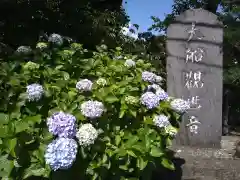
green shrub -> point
(67, 113)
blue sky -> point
(140, 11)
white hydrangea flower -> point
(24, 49)
(35, 92)
(41, 45)
(180, 105)
(161, 121)
(158, 79)
(129, 63)
(92, 109)
(84, 85)
(87, 135)
(171, 131)
(101, 82)
(132, 100)
(55, 39)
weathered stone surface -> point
(207, 90)
(193, 163)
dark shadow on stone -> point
(166, 174)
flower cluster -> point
(31, 66)
(24, 49)
(180, 105)
(151, 77)
(55, 39)
(62, 125)
(161, 121)
(150, 100)
(61, 153)
(130, 63)
(41, 45)
(92, 109)
(101, 82)
(34, 92)
(87, 135)
(131, 100)
(84, 85)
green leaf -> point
(131, 153)
(141, 163)
(35, 170)
(66, 76)
(139, 147)
(21, 126)
(4, 118)
(3, 131)
(117, 140)
(33, 119)
(11, 144)
(156, 152)
(111, 99)
(6, 166)
(131, 141)
(167, 164)
(122, 112)
(133, 113)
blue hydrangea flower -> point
(150, 100)
(34, 92)
(161, 121)
(87, 135)
(92, 109)
(162, 95)
(180, 105)
(129, 63)
(62, 124)
(148, 76)
(55, 39)
(84, 85)
(61, 153)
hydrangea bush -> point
(67, 113)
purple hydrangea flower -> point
(62, 125)
(162, 95)
(84, 85)
(150, 100)
(161, 121)
(61, 153)
(148, 76)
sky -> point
(140, 11)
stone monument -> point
(194, 73)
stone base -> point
(204, 163)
